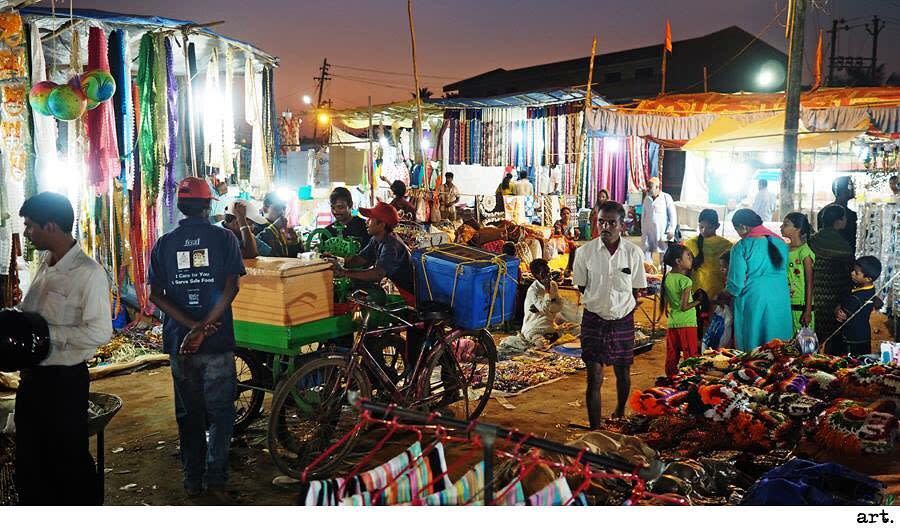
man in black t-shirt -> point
(342, 209)
(193, 278)
(386, 256)
(843, 191)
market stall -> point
(99, 106)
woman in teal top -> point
(757, 278)
(801, 260)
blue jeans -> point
(205, 389)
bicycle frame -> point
(360, 355)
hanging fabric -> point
(270, 132)
(228, 116)
(100, 123)
(147, 64)
(213, 109)
(197, 115)
(253, 117)
(120, 68)
(172, 130)
(45, 132)
(161, 109)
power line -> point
(387, 73)
(372, 82)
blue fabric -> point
(762, 306)
(654, 159)
(122, 104)
(393, 257)
(713, 335)
(205, 387)
(190, 264)
(802, 482)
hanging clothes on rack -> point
(228, 137)
(100, 123)
(120, 68)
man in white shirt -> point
(71, 292)
(609, 271)
(658, 220)
(523, 185)
(764, 203)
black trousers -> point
(54, 465)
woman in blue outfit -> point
(757, 278)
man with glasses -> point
(609, 271)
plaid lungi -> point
(607, 342)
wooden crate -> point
(284, 291)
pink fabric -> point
(761, 232)
(100, 124)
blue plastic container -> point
(475, 273)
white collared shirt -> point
(73, 297)
(608, 280)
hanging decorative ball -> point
(67, 102)
(98, 85)
(39, 95)
(91, 104)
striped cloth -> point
(607, 342)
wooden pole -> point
(372, 183)
(420, 153)
(589, 96)
(588, 106)
(796, 26)
(665, 57)
(705, 79)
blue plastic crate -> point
(475, 273)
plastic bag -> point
(719, 332)
(807, 340)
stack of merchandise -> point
(772, 398)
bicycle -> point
(315, 405)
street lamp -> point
(307, 100)
(323, 118)
(766, 78)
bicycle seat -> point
(434, 311)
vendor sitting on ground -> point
(544, 307)
(342, 209)
(275, 232)
(386, 256)
(240, 219)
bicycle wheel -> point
(460, 373)
(248, 403)
(312, 409)
(389, 351)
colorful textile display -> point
(14, 132)
(171, 130)
(119, 67)
(772, 398)
(100, 123)
(147, 125)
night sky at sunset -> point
(461, 38)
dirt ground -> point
(143, 467)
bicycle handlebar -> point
(363, 301)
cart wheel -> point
(312, 409)
(248, 403)
(460, 372)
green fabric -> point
(147, 66)
(674, 286)
(797, 282)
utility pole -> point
(796, 30)
(320, 79)
(877, 26)
(834, 34)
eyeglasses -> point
(607, 223)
